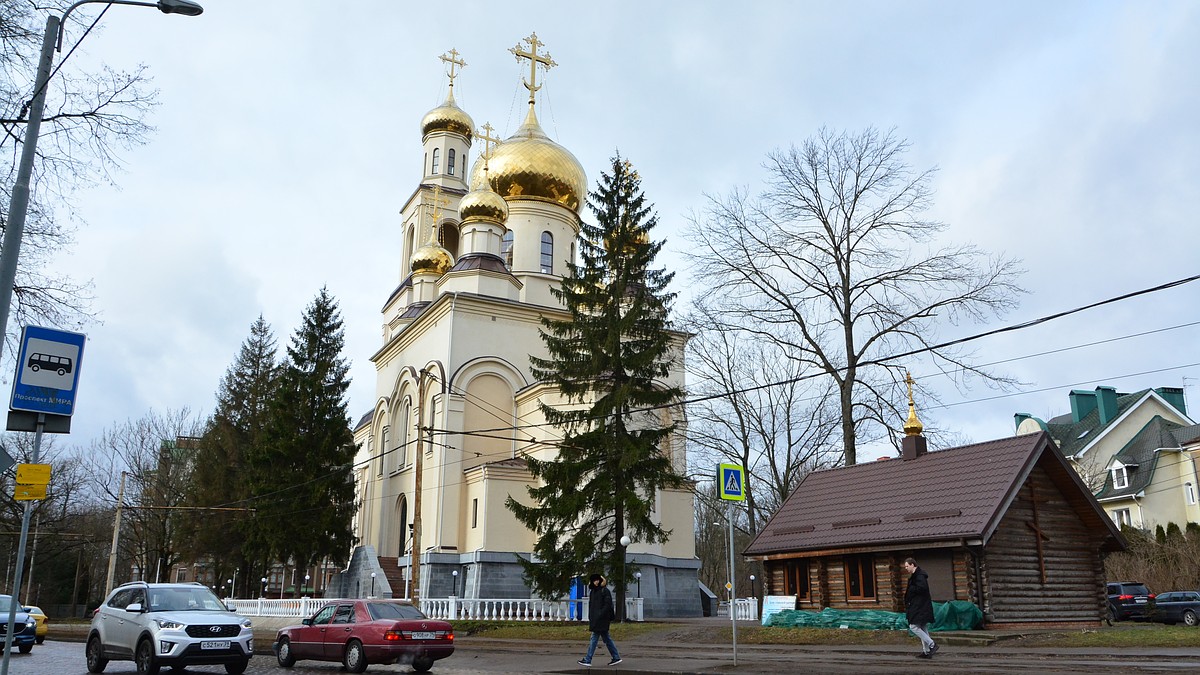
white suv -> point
(176, 625)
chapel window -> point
(450, 162)
(405, 423)
(387, 434)
(860, 577)
(795, 578)
(437, 158)
(1189, 493)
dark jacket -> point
(600, 609)
(918, 606)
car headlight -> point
(245, 623)
(168, 624)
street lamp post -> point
(372, 585)
(454, 574)
(638, 576)
(18, 208)
(264, 584)
(625, 541)
(305, 589)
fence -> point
(743, 608)
(452, 608)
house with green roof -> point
(1139, 452)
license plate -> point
(424, 636)
(214, 644)
(1140, 601)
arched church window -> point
(405, 423)
(383, 447)
(450, 162)
(437, 158)
(547, 253)
(506, 248)
(448, 238)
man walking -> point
(918, 606)
(601, 612)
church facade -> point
(456, 409)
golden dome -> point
(447, 117)
(483, 204)
(912, 426)
(528, 165)
(431, 258)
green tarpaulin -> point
(955, 615)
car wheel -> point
(25, 649)
(284, 655)
(1190, 618)
(95, 655)
(237, 667)
(40, 640)
(35, 367)
(1110, 617)
(62, 371)
(355, 659)
(144, 658)
(422, 665)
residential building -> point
(1129, 448)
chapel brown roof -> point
(954, 494)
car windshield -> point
(183, 599)
(1134, 589)
(5, 603)
(393, 610)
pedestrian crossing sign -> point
(732, 479)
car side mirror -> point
(134, 607)
(307, 622)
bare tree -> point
(90, 118)
(156, 453)
(779, 433)
(834, 264)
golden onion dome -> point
(431, 258)
(528, 165)
(447, 117)
(483, 204)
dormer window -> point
(1120, 476)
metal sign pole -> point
(732, 587)
(12, 607)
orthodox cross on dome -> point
(913, 426)
(534, 60)
(451, 59)
(434, 209)
(490, 142)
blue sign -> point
(733, 482)
(47, 371)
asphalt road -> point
(504, 656)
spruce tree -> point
(609, 360)
(232, 539)
(303, 470)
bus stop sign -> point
(47, 371)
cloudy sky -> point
(1064, 133)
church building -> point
(456, 410)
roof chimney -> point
(1106, 401)
(1082, 403)
(913, 445)
(1174, 396)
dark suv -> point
(1127, 600)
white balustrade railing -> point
(452, 608)
(743, 608)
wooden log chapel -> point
(1006, 525)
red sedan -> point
(358, 632)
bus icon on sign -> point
(58, 364)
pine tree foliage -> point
(609, 360)
(230, 539)
(302, 472)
